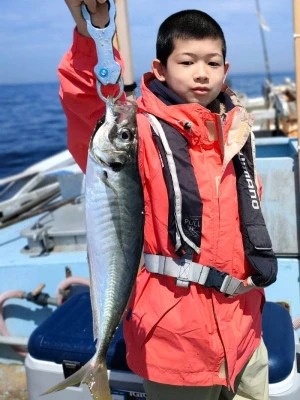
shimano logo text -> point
(251, 187)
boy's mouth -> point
(201, 90)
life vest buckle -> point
(215, 278)
(183, 273)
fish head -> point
(114, 143)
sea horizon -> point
(137, 79)
(33, 125)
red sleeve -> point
(78, 94)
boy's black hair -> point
(186, 24)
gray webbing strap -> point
(186, 271)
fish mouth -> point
(115, 161)
(116, 166)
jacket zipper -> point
(221, 122)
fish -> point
(114, 213)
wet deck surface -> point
(13, 382)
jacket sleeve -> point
(78, 94)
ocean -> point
(33, 124)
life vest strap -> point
(186, 271)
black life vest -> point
(185, 204)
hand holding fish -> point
(97, 8)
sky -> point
(34, 35)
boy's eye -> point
(214, 64)
(187, 62)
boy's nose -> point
(201, 74)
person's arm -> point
(78, 93)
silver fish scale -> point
(114, 228)
(114, 219)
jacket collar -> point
(164, 94)
(204, 124)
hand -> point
(98, 10)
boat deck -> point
(13, 382)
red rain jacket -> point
(180, 336)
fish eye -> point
(125, 135)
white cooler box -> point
(63, 343)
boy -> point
(191, 332)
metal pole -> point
(263, 43)
(124, 45)
(297, 67)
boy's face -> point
(195, 70)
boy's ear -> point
(158, 70)
(226, 69)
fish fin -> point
(93, 374)
(97, 381)
(72, 380)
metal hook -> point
(121, 90)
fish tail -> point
(97, 381)
(94, 375)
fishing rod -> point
(124, 46)
(261, 27)
(43, 207)
(297, 70)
